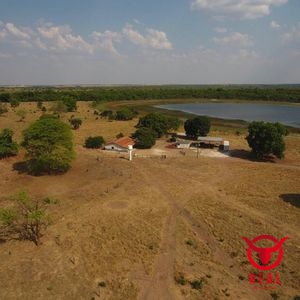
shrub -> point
(59, 107)
(94, 142)
(21, 113)
(144, 137)
(7, 146)
(266, 138)
(197, 284)
(49, 146)
(39, 104)
(75, 122)
(27, 218)
(14, 102)
(198, 126)
(119, 135)
(180, 279)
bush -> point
(27, 218)
(197, 284)
(94, 142)
(144, 137)
(75, 122)
(7, 146)
(266, 138)
(14, 102)
(49, 146)
(21, 113)
(59, 107)
(198, 126)
(119, 135)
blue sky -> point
(149, 42)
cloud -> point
(243, 9)
(293, 35)
(153, 39)
(220, 29)
(235, 39)
(274, 25)
(13, 33)
(106, 40)
(61, 38)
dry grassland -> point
(126, 230)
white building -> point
(120, 145)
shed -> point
(183, 144)
(120, 145)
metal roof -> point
(209, 139)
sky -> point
(149, 42)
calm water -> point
(285, 114)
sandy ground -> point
(137, 225)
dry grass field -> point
(131, 230)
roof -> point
(209, 139)
(184, 142)
(123, 142)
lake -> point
(285, 114)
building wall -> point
(114, 147)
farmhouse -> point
(120, 144)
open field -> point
(136, 226)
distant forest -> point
(289, 93)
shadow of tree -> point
(293, 199)
(21, 167)
(248, 155)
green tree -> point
(5, 97)
(155, 121)
(125, 114)
(7, 146)
(198, 126)
(49, 146)
(70, 103)
(94, 142)
(75, 122)
(266, 138)
(144, 137)
(27, 218)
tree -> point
(155, 121)
(94, 142)
(125, 114)
(27, 218)
(7, 146)
(5, 97)
(173, 123)
(144, 137)
(198, 126)
(266, 138)
(75, 122)
(70, 103)
(49, 146)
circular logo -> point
(265, 254)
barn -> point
(120, 144)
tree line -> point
(289, 93)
